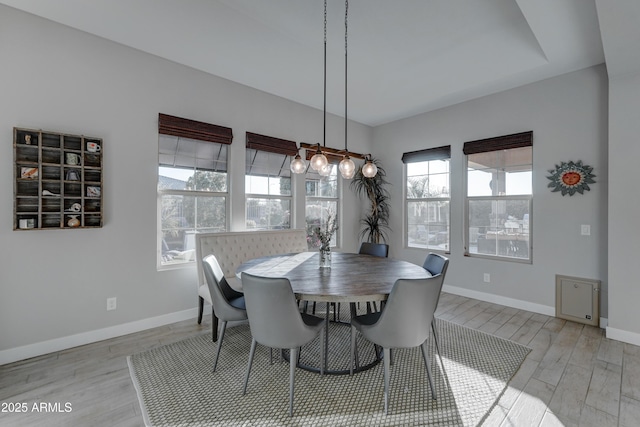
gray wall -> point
(54, 283)
(624, 207)
(568, 116)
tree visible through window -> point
(192, 199)
(192, 185)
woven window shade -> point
(192, 129)
(271, 144)
(438, 153)
(506, 142)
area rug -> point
(176, 387)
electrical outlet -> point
(111, 303)
(487, 277)
(585, 230)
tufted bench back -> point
(233, 248)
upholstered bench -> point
(233, 248)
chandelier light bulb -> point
(326, 170)
(349, 175)
(319, 160)
(298, 165)
(347, 167)
(369, 170)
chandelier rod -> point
(346, 14)
(324, 122)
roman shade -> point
(192, 129)
(271, 144)
(438, 153)
(269, 156)
(505, 142)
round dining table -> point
(352, 278)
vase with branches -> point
(324, 236)
(375, 223)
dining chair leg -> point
(325, 334)
(322, 345)
(214, 326)
(353, 349)
(353, 309)
(293, 353)
(326, 314)
(271, 356)
(423, 347)
(222, 330)
(200, 309)
(385, 358)
(376, 352)
(251, 353)
(435, 338)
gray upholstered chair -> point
(436, 264)
(228, 304)
(404, 323)
(276, 322)
(375, 249)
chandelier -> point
(319, 161)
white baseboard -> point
(624, 336)
(497, 299)
(604, 322)
(515, 303)
(63, 343)
(32, 350)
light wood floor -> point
(574, 376)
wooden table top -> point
(351, 278)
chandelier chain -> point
(325, 21)
(346, 22)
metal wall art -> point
(570, 178)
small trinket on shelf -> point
(73, 221)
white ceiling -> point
(405, 56)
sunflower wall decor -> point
(571, 177)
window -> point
(192, 185)
(322, 200)
(499, 197)
(427, 198)
(268, 182)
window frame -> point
(430, 154)
(180, 128)
(271, 146)
(501, 143)
(336, 240)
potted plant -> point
(376, 221)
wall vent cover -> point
(578, 299)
